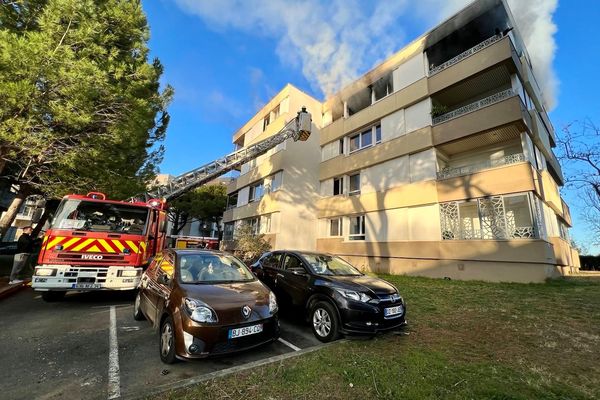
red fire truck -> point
(100, 244)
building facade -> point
(438, 162)
(276, 193)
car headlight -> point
(272, 303)
(199, 311)
(45, 271)
(353, 295)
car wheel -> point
(167, 341)
(137, 311)
(324, 321)
(53, 295)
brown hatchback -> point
(205, 303)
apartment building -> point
(438, 162)
(276, 193)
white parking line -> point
(288, 344)
(114, 378)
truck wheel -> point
(167, 341)
(137, 311)
(53, 295)
(324, 321)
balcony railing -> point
(486, 43)
(450, 172)
(493, 99)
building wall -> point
(492, 148)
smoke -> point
(534, 19)
(334, 42)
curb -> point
(224, 372)
(9, 290)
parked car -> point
(335, 297)
(205, 303)
(8, 248)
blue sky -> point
(224, 65)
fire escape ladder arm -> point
(298, 128)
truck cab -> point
(98, 244)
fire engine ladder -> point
(299, 129)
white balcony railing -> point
(450, 172)
(486, 43)
(495, 98)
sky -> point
(227, 58)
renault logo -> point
(246, 311)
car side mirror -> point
(162, 226)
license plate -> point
(391, 311)
(86, 286)
(245, 331)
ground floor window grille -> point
(495, 217)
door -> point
(147, 293)
(270, 267)
(159, 286)
(293, 281)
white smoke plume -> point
(336, 41)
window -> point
(364, 139)
(276, 181)
(256, 192)
(341, 144)
(335, 227)
(272, 261)
(354, 184)
(383, 87)
(338, 185)
(266, 223)
(232, 200)
(254, 225)
(228, 230)
(292, 263)
(266, 121)
(271, 116)
(357, 228)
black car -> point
(336, 297)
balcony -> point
(473, 50)
(488, 101)
(450, 172)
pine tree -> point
(81, 106)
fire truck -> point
(99, 244)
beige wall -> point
(513, 178)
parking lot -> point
(89, 346)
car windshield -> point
(96, 216)
(209, 268)
(322, 264)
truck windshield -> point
(95, 216)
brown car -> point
(205, 303)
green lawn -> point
(465, 340)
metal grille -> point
(449, 220)
(465, 54)
(450, 172)
(495, 98)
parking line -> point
(114, 378)
(288, 344)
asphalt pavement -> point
(65, 350)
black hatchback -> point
(335, 297)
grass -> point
(470, 340)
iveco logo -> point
(246, 311)
(91, 257)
